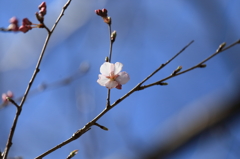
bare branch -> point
(201, 65)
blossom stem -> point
(109, 60)
(111, 43)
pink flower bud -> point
(24, 28)
(25, 21)
(43, 4)
(13, 24)
(102, 13)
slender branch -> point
(194, 67)
(111, 42)
(87, 127)
(109, 60)
(9, 142)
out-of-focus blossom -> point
(42, 12)
(13, 24)
(111, 75)
(9, 94)
(103, 13)
(42, 9)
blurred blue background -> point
(148, 34)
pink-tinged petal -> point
(118, 67)
(43, 11)
(105, 68)
(119, 86)
(111, 84)
(25, 21)
(102, 80)
(4, 98)
(123, 78)
(14, 20)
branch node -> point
(202, 66)
(13, 102)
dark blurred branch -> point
(9, 142)
(218, 112)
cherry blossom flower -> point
(111, 75)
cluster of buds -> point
(25, 27)
(26, 23)
(42, 12)
(103, 13)
(7, 95)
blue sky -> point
(148, 34)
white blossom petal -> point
(103, 80)
(111, 84)
(118, 67)
(122, 78)
(105, 68)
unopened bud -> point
(177, 70)
(220, 47)
(39, 17)
(106, 59)
(72, 154)
(113, 36)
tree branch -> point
(9, 142)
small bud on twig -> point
(113, 35)
(221, 46)
(106, 59)
(177, 70)
(72, 154)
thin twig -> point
(9, 142)
(109, 60)
(194, 67)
